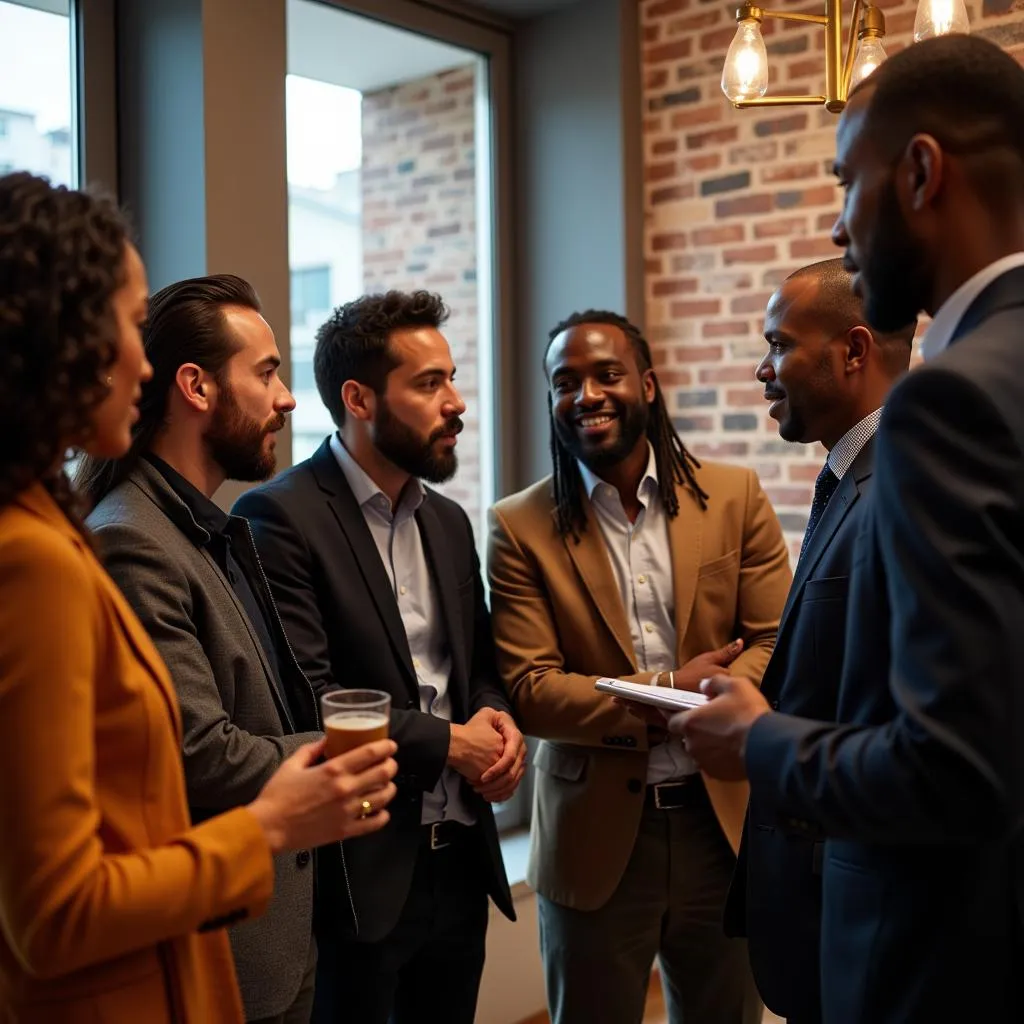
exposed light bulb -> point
(940, 18)
(870, 53)
(745, 75)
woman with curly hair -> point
(112, 906)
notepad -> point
(657, 696)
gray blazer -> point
(238, 726)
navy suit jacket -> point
(920, 788)
(775, 899)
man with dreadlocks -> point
(633, 560)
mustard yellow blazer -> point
(112, 906)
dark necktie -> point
(824, 487)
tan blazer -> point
(111, 905)
(559, 623)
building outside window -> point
(37, 64)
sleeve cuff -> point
(772, 745)
(235, 842)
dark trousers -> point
(668, 905)
(301, 1010)
(427, 971)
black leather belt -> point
(442, 834)
(669, 796)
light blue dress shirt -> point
(641, 559)
(397, 536)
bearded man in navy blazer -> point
(919, 785)
(826, 374)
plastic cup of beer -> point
(354, 717)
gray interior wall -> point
(161, 150)
(579, 212)
(203, 147)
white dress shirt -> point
(845, 451)
(948, 316)
(397, 537)
(641, 559)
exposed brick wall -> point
(419, 224)
(734, 201)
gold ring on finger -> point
(367, 809)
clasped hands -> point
(714, 735)
(490, 753)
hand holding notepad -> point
(656, 696)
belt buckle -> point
(434, 829)
(658, 787)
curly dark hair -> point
(354, 344)
(675, 464)
(61, 261)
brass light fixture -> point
(745, 75)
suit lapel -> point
(349, 515)
(832, 518)
(442, 570)
(229, 593)
(1005, 292)
(148, 479)
(591, 561)
(685, 538)
(685, 535)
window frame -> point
(94, 48)
(492, 41)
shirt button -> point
(649, 628)
(415, 662)
(641, 578)
(402, 589)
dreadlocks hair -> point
(674, 462)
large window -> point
(389, 187)
(311, 294)
(37, 129)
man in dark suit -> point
(920, 788)
(378, 582)
(826, 374)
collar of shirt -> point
(600, 492)
(366, 491)
(207, 514)
(845, 451)
(948, 316)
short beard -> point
(235, 441)
(633, 421)
(401, 445)
(896, 269)
(821, 397)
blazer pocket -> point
(829, 588)
(717, 565)
(561, 763)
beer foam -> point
(361, 722)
